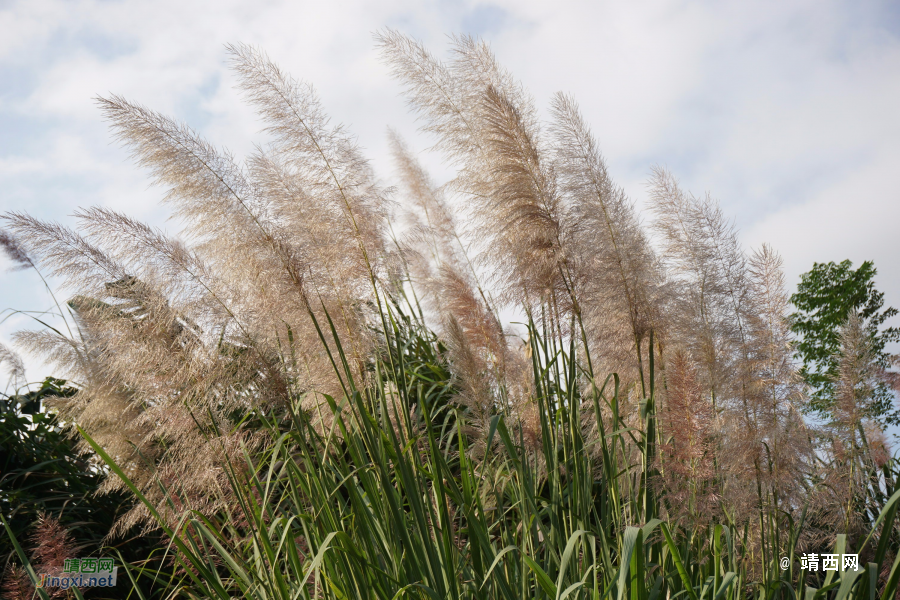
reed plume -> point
(613, 271)
(14, 251)
(778, 388)
(707, 267)
(856, 377)
(857, 445)
(16, 583)
(490, 373)
(686, 458)
(15, 368)
(729, 312)
(487, 126)
(52, 545)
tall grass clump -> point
(312, 394)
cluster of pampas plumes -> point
(440, 272)
(728, 311)
(172, 332)
(287, 255)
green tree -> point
(824, 299)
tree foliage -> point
(825, 297)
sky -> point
(784, 111)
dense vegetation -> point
(39, 469)
(49, 493)
(311, 394)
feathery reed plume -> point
(878, 445)
(493, 376)
(17, 584)
(469, 366)
(855, 382)
(432, 244)
(784, 438)
(69, 256)
(486, 368)
(207, 188)
(22, 259)
(892, 378)
(434, 93)
(53, 543)
(729, 313)
(514, 203)
(211, 194)
(325, 159)
(437, 235)
(15, 368)
(704, 256)
(686, 457)
(318, 182)
(15, 251)
(613, 269)
(852, 468)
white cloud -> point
(855, 218)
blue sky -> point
(784, 111)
